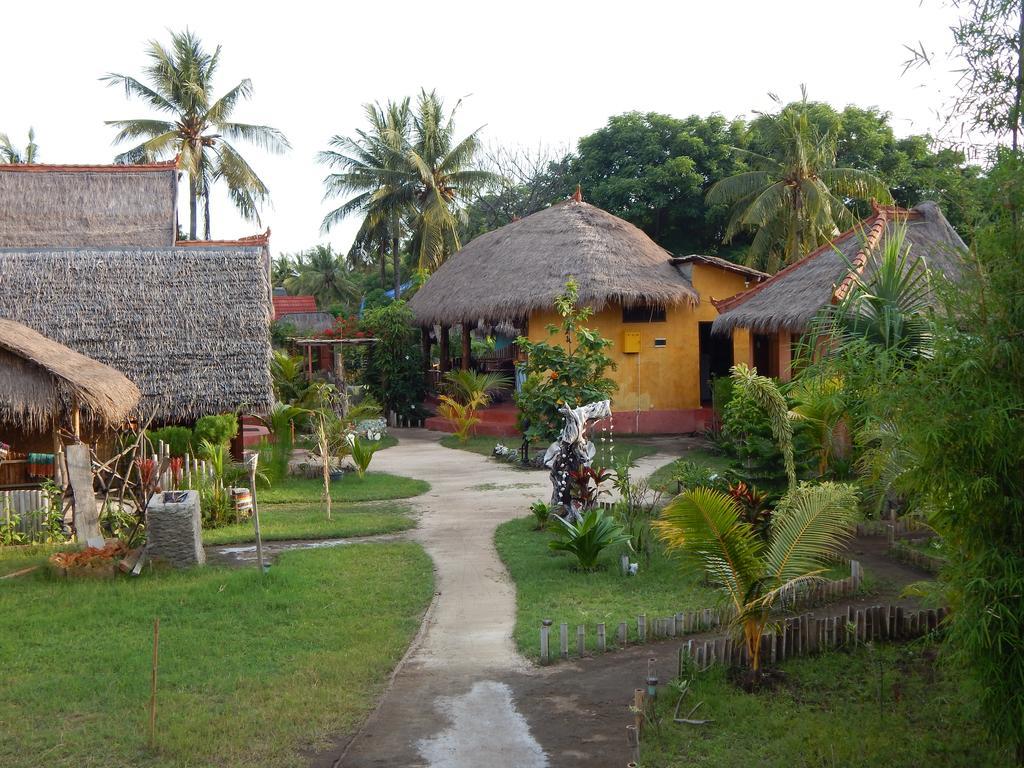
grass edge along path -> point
(283, 522)
(376, 486)
(254, 669)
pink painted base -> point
(663, 422)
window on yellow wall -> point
(643, 313)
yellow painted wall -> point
(661, 378)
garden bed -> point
(827, 711)
(376, 486)
(254, 669)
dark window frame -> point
(644, 313)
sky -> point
(531, 73)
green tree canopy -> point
(653, 170)
(11, 154)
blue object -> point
(390, 294)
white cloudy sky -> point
(531, 72)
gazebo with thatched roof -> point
(655, 308)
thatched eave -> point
(510, 272)
(40, 379)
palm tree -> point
(809, 527)
(373, 168)
(768, 397)
(445, 176)
(794, 199)
(199, 130)
(324, 274)
(283, 269)
(9, 154)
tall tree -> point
(445, 175)
(794, 198)
(373, 167)
(653, 170)
(11, 154)
(178, 83)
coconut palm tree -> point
(9, 154)
(199, 129)
(373, 168)
(809, 527)
(794, 198)
(324, 274)
(445, 177)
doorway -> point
(715, 361)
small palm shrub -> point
(588, 538)
(461, 416)
(541, 511)
(362, 450)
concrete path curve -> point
(448, 704)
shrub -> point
(588, 538)
(362, 450)
(541, 512)
(394, 366)
(557, 374)
(216, 430)
(178, 439)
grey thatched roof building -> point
(789, 300)
(188, 323)
(88, 205)
(509, 272)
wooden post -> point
(600, 638)
(545, 630)
(641, 627)
(466, 346)
(253, 458)
(623, 634)
(425, 350)
(446, 360)
(581, 640)
(152, 683)
(76, 418)
(563, 640)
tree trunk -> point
(1019, 90)
(192, 202)
(383, 248)
(206, 215)
(466, 346)
(442, 343)
(398, 270)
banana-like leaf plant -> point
(809, 527)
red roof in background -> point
(286, 305)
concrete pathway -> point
(450, 703)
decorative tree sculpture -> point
(571, 452)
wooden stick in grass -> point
(152, 683)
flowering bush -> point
(346, 328)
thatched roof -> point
(39, 376)
(307, 322)
(523, 266)
(87, 205)
(790, 299)
(188, 324)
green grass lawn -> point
(826, 712)
(546, 588)
(662, 477)
(254, 669)
(15, 558)
(376, 486)
(305, 520)
(485, 447)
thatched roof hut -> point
(509, 272)
(188, 324)
(789, 300)
(87, 205)
(39, 379)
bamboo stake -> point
(152, 683)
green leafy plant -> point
(811, 525)
(573, 372)
(541, 512)
(9, 532)
(468, 391)
(217, 430)
(177, 439)
(394, 365)
(588, 538)
(362, 450)
(288, 373)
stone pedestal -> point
(174, 528)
